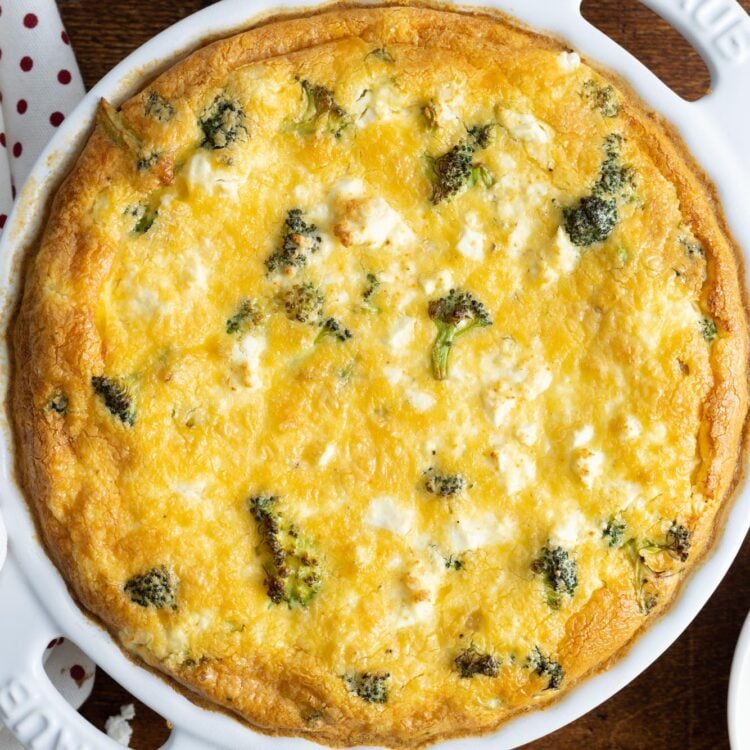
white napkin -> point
(39, 85)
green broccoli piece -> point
(614, 531)
(155, 588)
(144, 214)
(369, 291)
(454, 170)
(372, 687)
(247, 316)
(472, 662)
(591, 220)
(222, 123)
(303, 302)
(708, 329)
(293, 574)
(560, 573)
(116, 397)
(676, 545)
(331, 327)
(299, 239)
(58, 403)
(444, 485)
(321, 107)
(601, 98)
(453, 563)
(454, 315)
(544, 666)
(158, 107)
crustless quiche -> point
(380, 373)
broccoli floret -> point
(292, 572)
(116, 397)
(321, 107)
(299, 239)
(155, 588)
(602, 98)
(453, 563)
(708, 329)
(678, 541)
(248, 315)
(472, 662)
(676, 545)
(454, 315)
(144, 214)
(614, 531)
(222, 123)
(369, 291)
(58, 403)
(158, 107)
(369, 686)
(560, 573)
(445, 485)
(382, 54)
(303, 302)
(454, 170)
(544, 666)
(592, 220)
(479, 136)
(331, 327)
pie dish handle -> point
(720, 31)
(30, 706)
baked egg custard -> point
(380, 372)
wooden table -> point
(680, 702)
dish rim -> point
(563, 20)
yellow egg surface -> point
(380, 372)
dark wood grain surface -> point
(680, 702)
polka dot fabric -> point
(39, 85)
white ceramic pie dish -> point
(738, 714)
(35, 605)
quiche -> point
(380, 372)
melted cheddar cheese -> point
(354, 548)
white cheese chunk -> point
(246, 360)
(439, 284)
(569, 61)
(516, 466)
(560, 258)
(583, 436)
(360, 220)
(401, 334)
(387, 513)
(523, 126)
(588, 465)
(202, 173)
(421, 401)
(632, 428)
(569, 531)
(473, 532)
(472, 241)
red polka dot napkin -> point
(39, 85)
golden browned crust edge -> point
(39, 447)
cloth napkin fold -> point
(39, 85)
